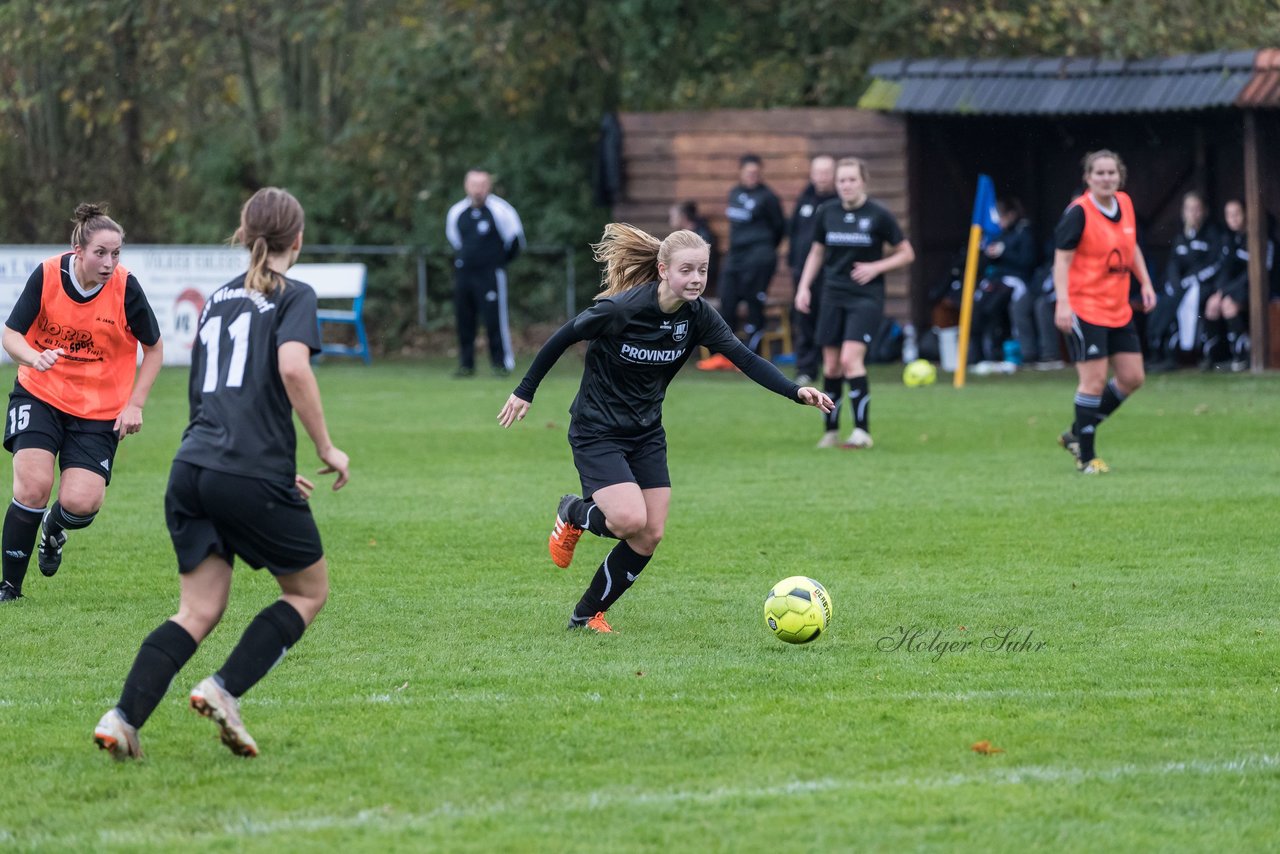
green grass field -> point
(439, 704)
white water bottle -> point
(910, 350)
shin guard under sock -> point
(159, 659)
(614, 577)
(262, 646)
(21, 526)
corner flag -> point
(984, 225)
(985, 214)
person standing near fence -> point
(74, 333)
(822, 188)
(486, 235)
(756, 226)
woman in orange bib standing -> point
(74, 334)
(1096, 253)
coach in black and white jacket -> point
(486, 235)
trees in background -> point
(371, 111)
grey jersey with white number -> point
(241, 418)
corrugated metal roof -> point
(1075, 85)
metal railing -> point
(423, 255)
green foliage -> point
(438, 704)
(372, 111)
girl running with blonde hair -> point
(646, 322)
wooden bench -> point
(338, 282)
(777, 329)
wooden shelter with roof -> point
(1208, 122)
(670, 157)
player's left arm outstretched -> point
(720, 339)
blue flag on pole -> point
(985, 215)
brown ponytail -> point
(269, 223)
(90, 218)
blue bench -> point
(338, 282)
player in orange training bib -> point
(74, 333)
(1096, 255)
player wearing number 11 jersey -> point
(234, 487)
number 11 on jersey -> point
(211, 338)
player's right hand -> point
(47, 359)
(513, 410)
(802, 301)
(335, 460)
(1063, 317)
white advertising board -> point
(177, 280)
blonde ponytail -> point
(631, 255)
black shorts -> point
(1089, 341)
(266, 522)
(848, 320)
(78, 443)
(605, 460)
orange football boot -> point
(564, 535)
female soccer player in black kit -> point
(849, 236)
(644, 325)
(234, 487)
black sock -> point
(21, 525)
(1237, 339)
(1214, 338)
(1112, 397)
(834, 387)
(614, 577)
(159, 659)
(263, 644)
(60, 519)
(860, 401)
(594, 521)
(1086, 422)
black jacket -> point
(756, 225)
(800, 234)
(1019, 256)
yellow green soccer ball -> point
(797, 609)
(918, 373)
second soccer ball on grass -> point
(918, 373)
